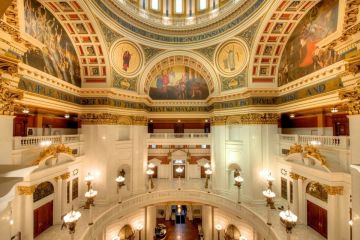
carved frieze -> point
(254, 118)
(139, 120)
(334, 190)
(107, 119)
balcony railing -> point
(179, 135)
(24, 142)
(327, 141)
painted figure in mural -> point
(126, 60)
(303, 54)
(57, 55)
(229, 61)
(178, 83)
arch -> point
(232, 232)
(176, 58)
(127, 233)
(43, 190)
(242, 211)
(272, 37)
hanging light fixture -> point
(288, 219)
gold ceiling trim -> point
(112, 119)
(245, 119)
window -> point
(291, 192)
(284, 188)
(203, 4)
(155, 5)
(179, 6)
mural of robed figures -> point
(126, 60)
(178, 82)
(57, 55)
(302, 55)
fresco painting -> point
(126, 58)
(178, 82)
(230, 58)
(302, 54)
(57, 55)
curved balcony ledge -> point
(255, 215)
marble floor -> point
(187, 231)
(300, 232)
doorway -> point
(317, 218)
(43, 218)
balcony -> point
(25, 149)
(339, 142)
(179, 138)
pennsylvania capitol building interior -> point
(179, 119)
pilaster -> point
(27, 217)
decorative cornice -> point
(26, 190)
(253, 118)
(52, 151)
(218, 120)
(294, 176)
(105, 119)
(65, 176)
(139, 120)
(334, 190)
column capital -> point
(139, 120)
(334, 190)
(26, 190)
(302, 178)
(65, 176)
(57, 178)
(294, 176)
(8, 95)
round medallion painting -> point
(126, 58)
(231, 58)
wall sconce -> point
(208, 173)
(88, 179)
(238, 181)
(288, 219)
(269, 203)
(70, 221)
(179, 170)
(139, 227)
(150, 174)
(121, 182)
(218, 228)
(90, 195)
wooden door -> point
(179, 128)
(317, 218)
(43, 218)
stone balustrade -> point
(25, 142)
(324, 141)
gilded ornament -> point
(218, 120)
(296, 148)
(253, 118)
(26, 190)
(52, 150)
(139, 120)
(294, 176)
(312, 151)
(105, 119)
(8, 97)
(65, 176)
(334, 190)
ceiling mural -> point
(178, 82)
(302, 55)
(126, 58)
(110, 36)
(231, 58)
(123, 82)
(231, 83)
(56, 54)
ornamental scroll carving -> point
(353, 97)
(8, 98)
(52, 150)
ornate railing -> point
(178, 135)
(327, 141)
(24, 142)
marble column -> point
(6, 139)
(334, 212)
(354, 128)
(218, 157)
(64, 204)
(139, 160)
(150, 222)
(207, 222)
(301, 199)
(57, 201)
(27, 216)
(295, 193)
